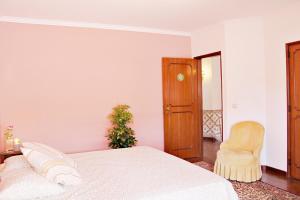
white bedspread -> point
(143, 173)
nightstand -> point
(5, 154)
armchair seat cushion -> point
(236, 157)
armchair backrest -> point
(247, 135)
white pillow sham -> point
(52, 167)
(54, 153)
(26, 184)
(16, 162)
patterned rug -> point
(257, 190)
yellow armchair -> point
(239, 157)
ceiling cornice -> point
(91, 25)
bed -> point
(143, 173)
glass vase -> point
(9, 145)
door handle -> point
(168, 108)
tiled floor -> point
(210, 148)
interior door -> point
(294, 109)
(181, 105)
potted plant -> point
(121, 135)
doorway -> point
(212, 108)
(293, 108)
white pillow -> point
(54, 153)
(53, 168)
(1, 168)
(16, 162)
(26, 184)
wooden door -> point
(294, 109)
(181, 105)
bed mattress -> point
(143, 173)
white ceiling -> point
(175, 15)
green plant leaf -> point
(121, 135)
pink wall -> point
(208, 39)
(58, 84)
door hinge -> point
(289, 54)
(289, 108)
